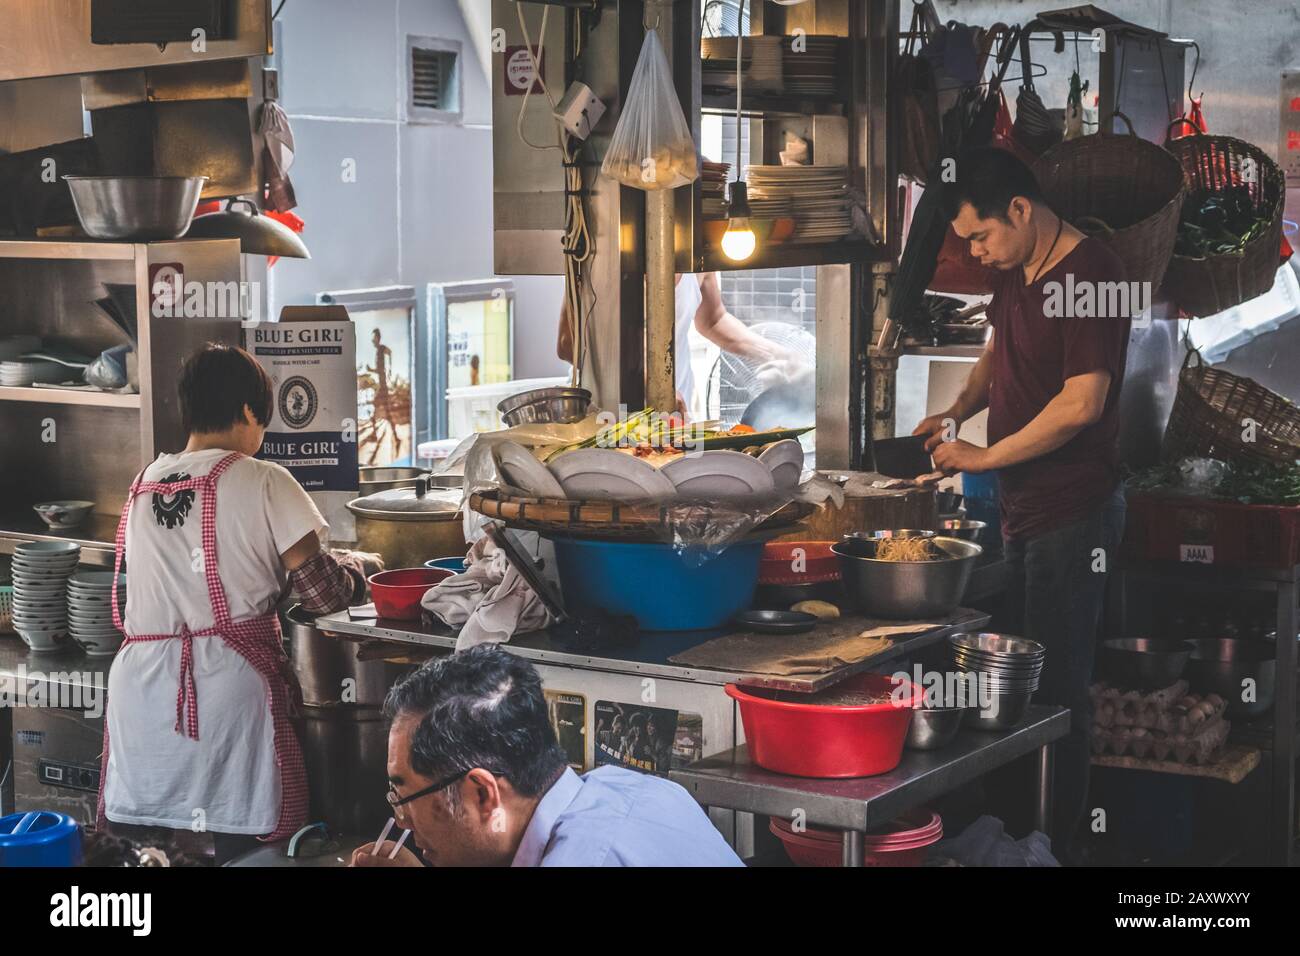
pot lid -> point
(258, 235)
(405, 504)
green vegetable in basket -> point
(1218, 223)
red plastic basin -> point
(821, 740)
(397, 593)
(817, 564)
(902, 843)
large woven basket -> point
(612, 519)
(1133, 186)
(1207, 286)
(1213, 415)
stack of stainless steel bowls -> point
(1008, 667)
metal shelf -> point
(96, 536)
(68, 396)
(789, 255)
(66, 249)
(771, 104)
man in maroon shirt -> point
(1050, 377)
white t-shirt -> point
(688, 297)
(228, 777)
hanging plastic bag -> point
(652, 146)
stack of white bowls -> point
(90, 611)
(41, 570)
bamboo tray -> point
(612, 519)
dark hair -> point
(216, 383)
(989, 178)
(481, 707)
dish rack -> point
(607, 519)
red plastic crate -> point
(1168, 528)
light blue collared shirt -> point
(617, 817)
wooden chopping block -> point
(875, 511)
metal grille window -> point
(433, 87)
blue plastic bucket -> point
(662, 589)
(39, 838)
(454, 565)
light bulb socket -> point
(738, 207)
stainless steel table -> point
(730, 781)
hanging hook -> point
(656, 5)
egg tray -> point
(1202, 746)
(1170, 711)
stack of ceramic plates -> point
(763, 65)
(713, 189)
(41, 570)
(20, 372)
(90, 611)
(818, 196)
(810, 65)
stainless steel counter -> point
(70, 668)
(646, 654)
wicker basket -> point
(608, 519)
(1212, 410)
(1133, 186)
(1207, 286)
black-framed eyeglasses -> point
(395, 801)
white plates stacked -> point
(718, 475)
(90, 611)
(41, 570)
(818, 196)
(785, 460)
(21, 372)
(521, 470)
(592, 473)
(810, 65)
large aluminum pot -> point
(328, 669)
(135, 207)
(906, 589)
(346, 753)
(408, 528)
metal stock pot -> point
(408, 526)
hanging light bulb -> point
(739, 241)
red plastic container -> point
(397, 593)
(817, 563)
(1166, 528)
(823, 740)
(902, 843)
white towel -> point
(490, 602)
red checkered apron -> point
(256, 639)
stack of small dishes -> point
(818, 196)
(90, 611)
(41, 570)
(810, 65)
(18, 373)
(713, 189)
(763, 63)
(1009, 669)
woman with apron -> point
(197, 735)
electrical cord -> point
(576, 244)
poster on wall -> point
(478, 342)
(651, 739)
(383, 382)
(309, 355)
(568, 714)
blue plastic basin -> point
(39, 838)
(454, 565)
(662, 589)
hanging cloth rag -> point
(279, 156)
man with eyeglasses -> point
(477, 776)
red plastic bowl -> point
(902, 843)
(819, 563)
(398, 593)
(822, 740)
